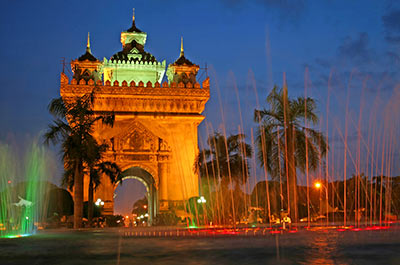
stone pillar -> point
(163, 184)
(105, 192)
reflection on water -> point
(321, 249)
(108, 247)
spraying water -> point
(22, 190)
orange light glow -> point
(317, 185)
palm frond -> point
(57, 108)
(273, 126)
(57, 132)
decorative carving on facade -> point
(140, 98)
(138, 138)
(163, 146)
(135, 157)
(162, 158)
(124, 85)
(64, 79)
(206, 83)
(136, 90)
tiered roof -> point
(182, 60)
(133, 28)
(88, 54)
(133, 48)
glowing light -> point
(99, 202)
(317, 185)
(16, 236)
(145, 206)
(147, 215)
(201, 200)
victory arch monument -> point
(154, 137)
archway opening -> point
(136, 197)
(128, 194)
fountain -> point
(353, 186)
(22, 190)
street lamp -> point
(201, 200)
(319, 185)
(99, 202)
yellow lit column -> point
(163, 185)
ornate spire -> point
(182, 59)
(88, 43)
(182, 52)
(88, 54)
(133, 28)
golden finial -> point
(133, 15)
(88, 43)
(182, 53)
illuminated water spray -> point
(22, 190)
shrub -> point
(166, 218)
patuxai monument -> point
(154, 138)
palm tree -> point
(226, 160)
(227, 157)
(140, 206)
(96, 170)
(284, 140)
(111, 170)
(73, 128)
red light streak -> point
(275, 232)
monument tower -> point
(154, 137)
(133, 63)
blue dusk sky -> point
(337, 52)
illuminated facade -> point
(154, 138)
(133, 63)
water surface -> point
(109, 247)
